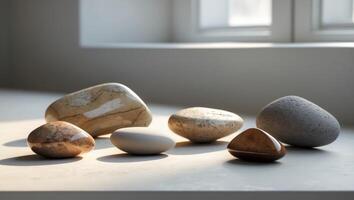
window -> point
(324, 20)
(235, 13)
(268, 21)
(232, 20)
(183, 21)
(334, 13)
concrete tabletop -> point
(187, 167)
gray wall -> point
(4, 41)
(112, 21)
(49, 57)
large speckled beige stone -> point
(202, 125)
(60, 140)
(101, 109)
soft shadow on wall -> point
(4, 41)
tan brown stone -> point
(201, 125)
(101, 109)
(256, 145)
(60, 140)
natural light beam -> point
(250, 12)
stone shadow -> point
(250, 163)
(189, 148)
(127, 158)
(16, 143)
(36, 160)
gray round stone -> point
(296, 121)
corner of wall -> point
(4, 43)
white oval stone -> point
(141, 141)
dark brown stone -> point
(60, 140)
(256, 145)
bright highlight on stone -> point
(101, 109)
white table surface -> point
(187, 167)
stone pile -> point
(74, 120)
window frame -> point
(188, 30)
(308, 26)
(234, 29)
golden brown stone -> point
(256, 145)
(101, 109)
(60, 140)
(201, 125)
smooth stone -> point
(141, 141)
(256, 145)
(296, 121)
(204, 125)
(101, 109)
(60, 140)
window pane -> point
(227, 13)
(250, 12)
(214, 13)
(337, 12)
